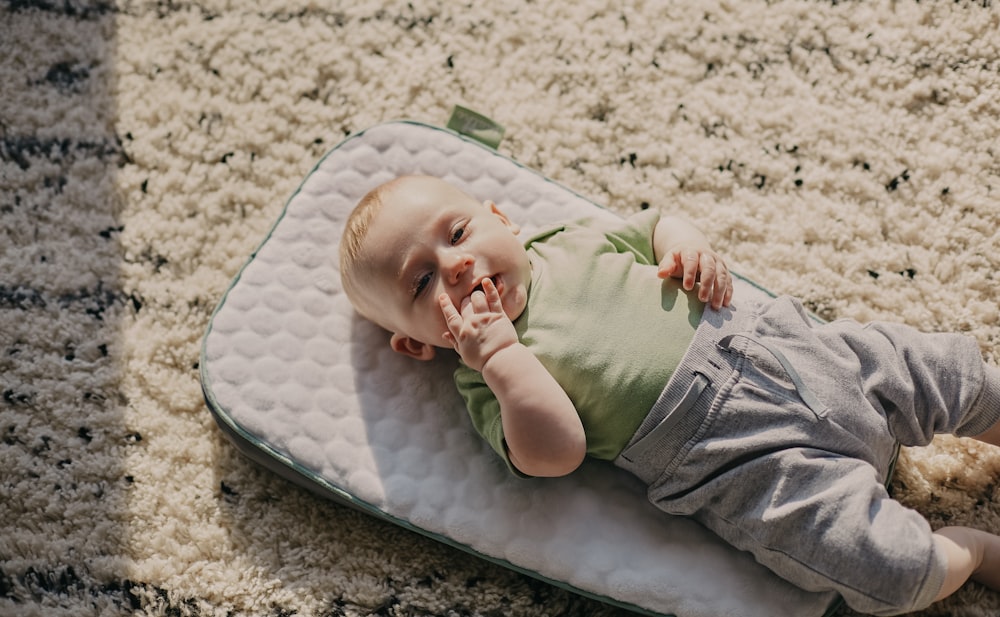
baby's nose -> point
(458, 265)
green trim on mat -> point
(264, 454)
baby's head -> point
(414, 238)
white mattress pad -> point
(308, 388)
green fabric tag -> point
(476, 126)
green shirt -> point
(607, 328)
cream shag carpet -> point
(845, 152)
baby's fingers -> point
(722, 291)
(707, 268)
(691, 265)
(669, 265)
(492, 296)
(452, 317)
(717, 286)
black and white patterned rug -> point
(845, 152)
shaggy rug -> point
(845, 152)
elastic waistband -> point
(687, 398)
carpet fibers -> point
(845, 152)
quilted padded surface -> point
(314, 392)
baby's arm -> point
(684, 252)
(970, 553)
(542, 429)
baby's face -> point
(428, 239)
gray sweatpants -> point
(778, 433)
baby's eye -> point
(457, 235)
(421, 284)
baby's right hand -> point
(481, 329)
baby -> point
(620, 341)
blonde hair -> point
(352, 243)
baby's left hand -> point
(701, 265)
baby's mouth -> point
(479, 287)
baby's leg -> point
(989, 399)
(990, 435)
(970, 553)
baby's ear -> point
(492, 207)
(411, 347)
